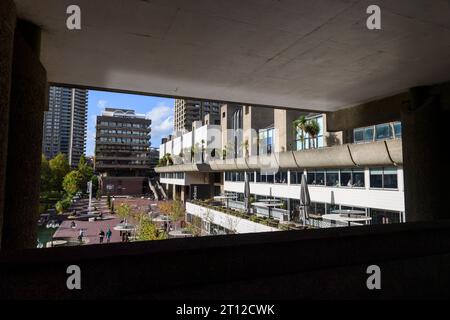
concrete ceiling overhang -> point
(315, 54)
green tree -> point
(300, 123)
(86, 171)
(147, 230)
(124, 211)
(59, 167)
(63, 205)
(46, 175)
(313, 129)
(177, 211)
(73, 183)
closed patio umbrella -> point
(247, 193)
(305, 200)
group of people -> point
(102, 235)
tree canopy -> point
(73, 183)
(59, 167)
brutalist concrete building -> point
(122, 152)
(187, 111)
(65, 123)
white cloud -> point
(101, 104)
(162, 119)
(162, 122)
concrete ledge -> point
(370, 154)
(310, 264)
(223, 165)
(263, 162)
(239, 225)
(241, 164)
(286, 160)
(332, 157)
(188, 167)
(395, 150)
(379, 153)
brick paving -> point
(92, 228)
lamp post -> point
(89, 189)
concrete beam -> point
(425, 154)
(374, 112)
(7, 26)
(28, 101)
(328, 263)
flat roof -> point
(312, 55)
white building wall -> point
(162, 150)
(227, 221)
(177, 146)
(190, 178)
(359, 197)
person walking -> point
(80, 236)
(101, 235)
(108, 235)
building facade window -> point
(332, 178)
(307, 142)
(383, 178)
(385, 131)
(265, 141)
(237, 123)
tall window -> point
(237, 132)
(308, 142)
(265, 141)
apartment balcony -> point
(231, 219)
(186, 167)
(382, 153)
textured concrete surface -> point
(425, 153)
(7, 25)
(28, 102)
(315, 55)
(310, 264)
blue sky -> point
(159, 110)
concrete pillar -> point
(425, 153)
(7, 26)
(28, 101)
(182, 194)
(226, 113)
(174, 192)
(255, 118)
(285, 131)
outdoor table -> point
(269, 206)
(348, 219)
(224, 197)
(55, 243)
